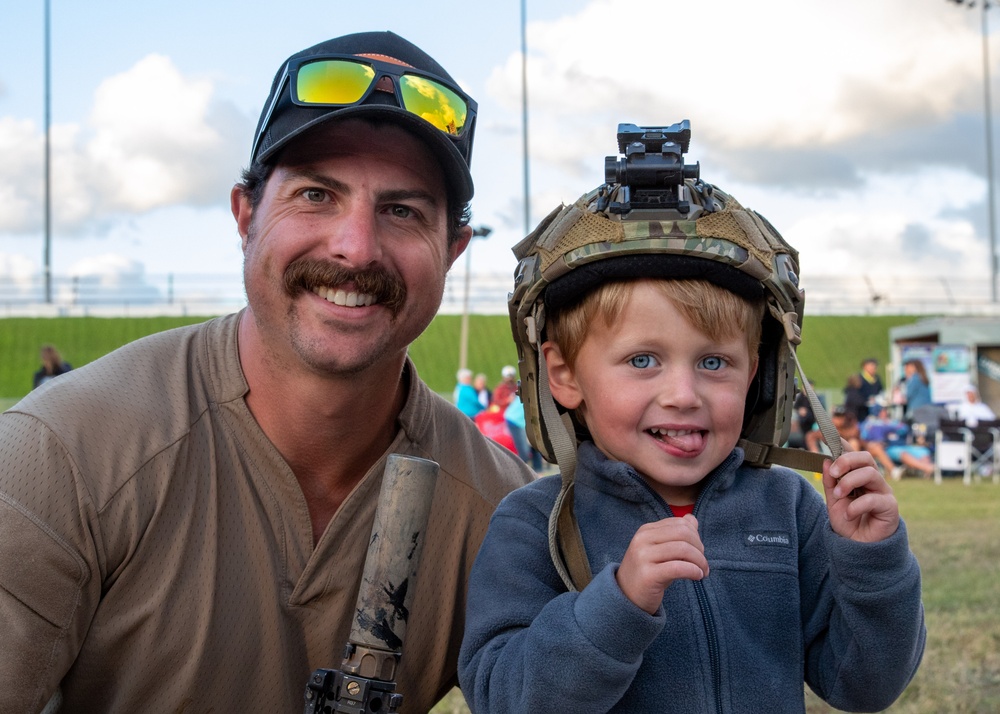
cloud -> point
(153, 138)
(856, 127)
(802, 83)
(107, 279)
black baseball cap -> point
(281, 120)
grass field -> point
(955, 533)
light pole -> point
(463, 347)
(47, 252)
(524, 116)
(991, 198)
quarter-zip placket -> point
(711, 632)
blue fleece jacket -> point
(787, 599)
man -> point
(871, 385)
(972, 410)
(184, 523)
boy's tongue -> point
(685, 441)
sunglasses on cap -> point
(336, 80)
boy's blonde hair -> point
(712, 310)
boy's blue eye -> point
(641, 361)
(713, 363)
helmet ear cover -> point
(763, 389)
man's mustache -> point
(386, 287)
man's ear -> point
(562, 382)
(239, 203)
(458, 247)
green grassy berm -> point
(832, 347)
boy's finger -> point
(851, 461)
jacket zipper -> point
(713, 643)
(711, 633)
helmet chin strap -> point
(565, 541)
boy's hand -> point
(659, 554)
(859, 500)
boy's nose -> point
(678, 390)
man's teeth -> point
(656, 431)
(342, 297)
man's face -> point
(346, 254)
(871, 368)
(657, 393)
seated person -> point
(972, 411)
(806, 421)
(886, 440)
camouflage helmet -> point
(616, 232)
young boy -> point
(665, 338)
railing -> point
(215, 294)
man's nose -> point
(354, 240)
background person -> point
(917, 386)
(482, 389)
(806, 420)
(855, 400)
(972, 410)
(186, 520)
(514, 416)
(52, 366)
(465, 396)
(504, 392)
(871, 385)
(894, 455)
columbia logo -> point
(768, 538)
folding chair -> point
(926, 420)
(984, 451)
(953, 449)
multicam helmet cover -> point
(690, 230)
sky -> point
(856, 127)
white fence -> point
(207, 294)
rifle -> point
(365, 682)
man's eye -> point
(642, 361)
(402, 211)
(713, 363)
(314, 195)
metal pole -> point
(48, 160)
(989, 155)
(524, 116)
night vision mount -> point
(651, 175)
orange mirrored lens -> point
(333, 81)
(434, 103)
